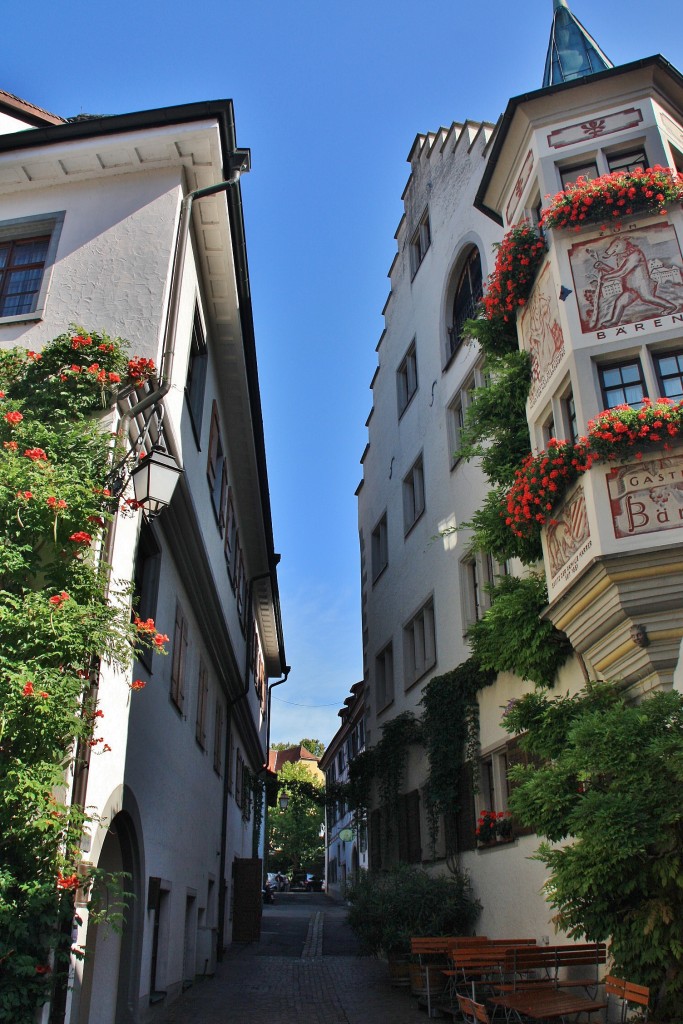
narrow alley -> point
(306, 967)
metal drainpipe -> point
(168, 347)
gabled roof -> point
(276, 758)
(22, 110)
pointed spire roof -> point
(572, 51)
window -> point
(27, 252)
(146, 582)
(216, 470)
(230, 546)
(419, 644)
(622, 384)
(196, 375)
(409, 840)
(549, 429)
(178, 663)
(457, 412)
(239, 778)
(228, 739)
(380, 551)
(406, 379)
(495, 785)
(569, 175)
(413, 495)
(476, 573)
(202, 700)
(670, 374)
(570, 415)
(467, 297)
(419, 243)
(634, 160)
(341, 762)
(384, 677)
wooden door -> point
(248, 903)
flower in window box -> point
(504, 826)
(486, 827)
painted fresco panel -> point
(568, 539)
(646, 497)
(627, 277)
(541, 333)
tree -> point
(295, 835)
(609, 778)
(316, 747)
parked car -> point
(300, 882)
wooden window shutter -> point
(202, 695)
(230, 530)
(224, 496)
(413, 827)
(179, 658)
(238, 779)
(514, 755)
(466, 820)
(213, 446)
(375, 840)
(218, 739)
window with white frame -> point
(568, 175)
(380, 549)
(28, 247)
(457, 410)
(622, 384)
(629, 161)
(669, 367)
(413, 495)
(419, 644)
(384, 677)
(420, 242)
(477, 573)
(406, 379)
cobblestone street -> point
(323, 981)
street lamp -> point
(284, 801)
(154, 480)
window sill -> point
(427, 669)
(385, 707)
(379, 575)
(413, 525)
(406, 406)
(21, 318)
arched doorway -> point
(111, 974)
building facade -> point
(346, 834)
(602, 326)
(134, 225)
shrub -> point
(388, 908)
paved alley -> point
(306, 968)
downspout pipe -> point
(168, 346)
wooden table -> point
(546, 1004)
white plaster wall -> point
(112, 265)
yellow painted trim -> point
(665, 634)
(647, 572)
(617, 653)
(583, 603)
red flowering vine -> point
(518, 258)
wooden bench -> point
(554, 966)
(433, 958)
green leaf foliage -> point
(294, 835)
(59, 621)
(496, 428)
(511, 637)
(608, 791)
(491, 533)
(387, 909)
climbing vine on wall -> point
(450, 733)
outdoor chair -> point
(472, 1013)
(628, 993)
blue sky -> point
(329, 98)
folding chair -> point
(472, 1013)
(629, 993)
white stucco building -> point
(610, 571)
(346, 835)
(121, 252)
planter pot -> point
(399, 971)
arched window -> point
(467, 296)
